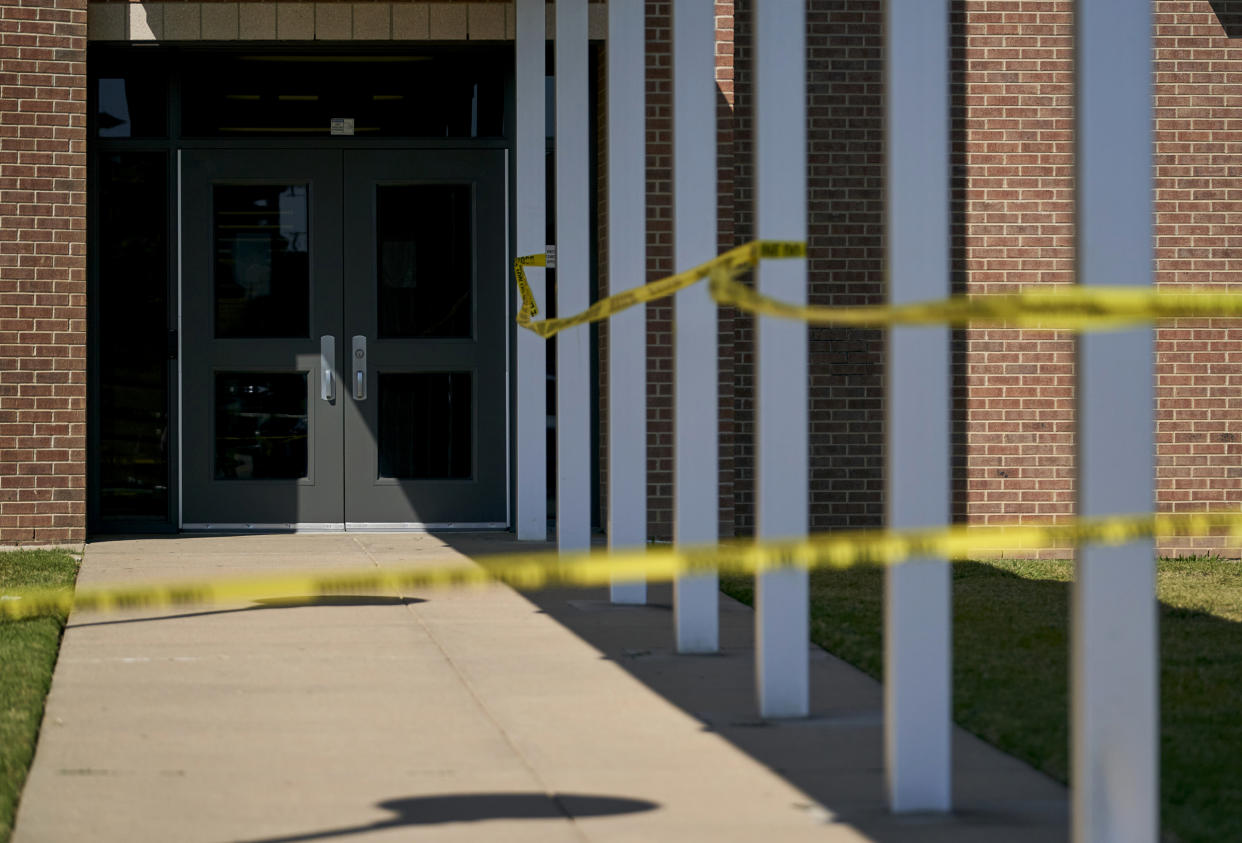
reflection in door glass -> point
(262, 265)
(425, 425)
(424, 260)
(261, 425)
(132, 325)
(131, 104)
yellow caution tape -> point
(529, 307)
(538, 570)
(731, 263)
(1066, 307)
(1070, 307)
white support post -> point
(781, 621)
(573, 249)
(695, 465)
(531, 440)
(917, 604)
(627, 267)
(1114, 649)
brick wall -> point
(725, 214)
(845, 258)
(1199, 242)
(659, 264)
(1013, 214)
(600, 57)
(1013, 225)
(845, 252)
(743, 231)
(42, 271)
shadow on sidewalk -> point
(478, 807)
(269, 603)
(835, 756)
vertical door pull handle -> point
(327, 363)
(359, 358)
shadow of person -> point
(477, 807)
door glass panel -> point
(261, 425)
(425, 425)
(132, 333)
(424, 260)
(262, 260)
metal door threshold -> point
(351, 527)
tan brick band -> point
(223, 21)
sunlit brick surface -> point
(42, 272)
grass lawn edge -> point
(28, 650)
(1011, 669)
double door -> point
(343, 338)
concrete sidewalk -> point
(457, 715)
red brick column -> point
(1013, 151)
(659, 263)
(845, 256)
(43, 271)
(1198, 242)
(845, 260)
(725, 164)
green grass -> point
(27, 653)
(1011, 663)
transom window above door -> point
(420, 93)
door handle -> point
(327, 363)
(359, 358)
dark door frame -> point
(164, 59)
(335, 495)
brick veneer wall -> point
(42, 271)
(1014, 207)
(845, 261)
(743, 231)
(602, 278)
(659, 264)
(1014, 226)
(1199, 241)
(725, 215)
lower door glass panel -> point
(425, 430)
(261, 426)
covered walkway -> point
(459, 715)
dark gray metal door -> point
(344, 338)
(261, 300)
(425, 327)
